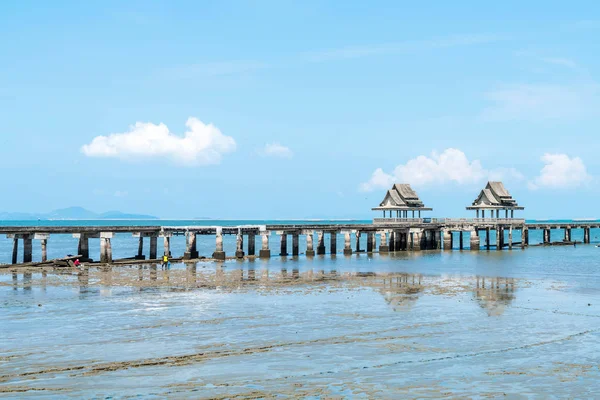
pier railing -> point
(448, 221)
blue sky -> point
(297, 109)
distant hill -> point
(73, 213)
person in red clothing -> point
(77, 263)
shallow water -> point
(521, 323)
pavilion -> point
(495, 197)
(399, 200)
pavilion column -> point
(153, 247)
(370, 240)
(474, 240)
(251, 244)
(333, 242)
(447, 239)
(283, 244)
(506, 213)
(106, 247)
(510, 242)
(320, 242)
(383, 246)
(437, 239)
(482, 213)
(295, 244)
(512, 213)
(347, 244)
(219, 253)
(310, 252)
(264, 252)
(239, 244)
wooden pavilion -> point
(495, 197)
(399, 201)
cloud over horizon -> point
(202, 144)
(451, 165)
(561, 171)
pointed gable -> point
(494, 195)
(402, 197)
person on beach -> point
(77, 263)
(165, 261)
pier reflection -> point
(494, 294)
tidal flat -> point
(517, 324)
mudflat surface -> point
(514, 324)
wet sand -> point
(346, 328)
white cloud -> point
(277, 150)
(541, 102)
(202, 144)
(452, 165)
(561, 171)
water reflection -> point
(495, 294)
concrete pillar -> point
(190, 246)
(383, 246)
(474, 241)
(568, 234)
(219, 253)
(437, 239)
(393, 240)
(398, 236)
(415, 240)
(448, 243)
(320, 242)
(310, 252)
(106, 247)
(27, 249)
(586, 235)
(251, 244)
(44, 243)
(524, 237)
(295, 244)
(264, 252)
(153, 247)
(547, 236)
(333, 242)
(15, 249)
(499, 238)
(370, 240)
(510, 238)
(140, 253)
(83, 246)
(487, 238)
(239, 244)
(167, 245)
(347, 244)
(283, 244)
(460, 240)
(357, 240)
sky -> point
(298, 109)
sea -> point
(520, 323)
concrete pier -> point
(447, 237)
(15, 249)
(283, 243)
(191, 251)
(474, 241)
(251, 244)
(295, 244)
(383, 246)
(43, 238)
(370, 240)
(166, 245)
(310, 251)
(460, 240)
(320, 242)
(347, 244)
(106, 247)
(239, 245)
(357, 237)
(333, 242)
(264, 252)
(218, 254)
(586, 235)
(510, 238)
(153, 247)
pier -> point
(382, 236)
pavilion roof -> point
(494, 196)
(401, 197)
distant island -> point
(72, 213)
